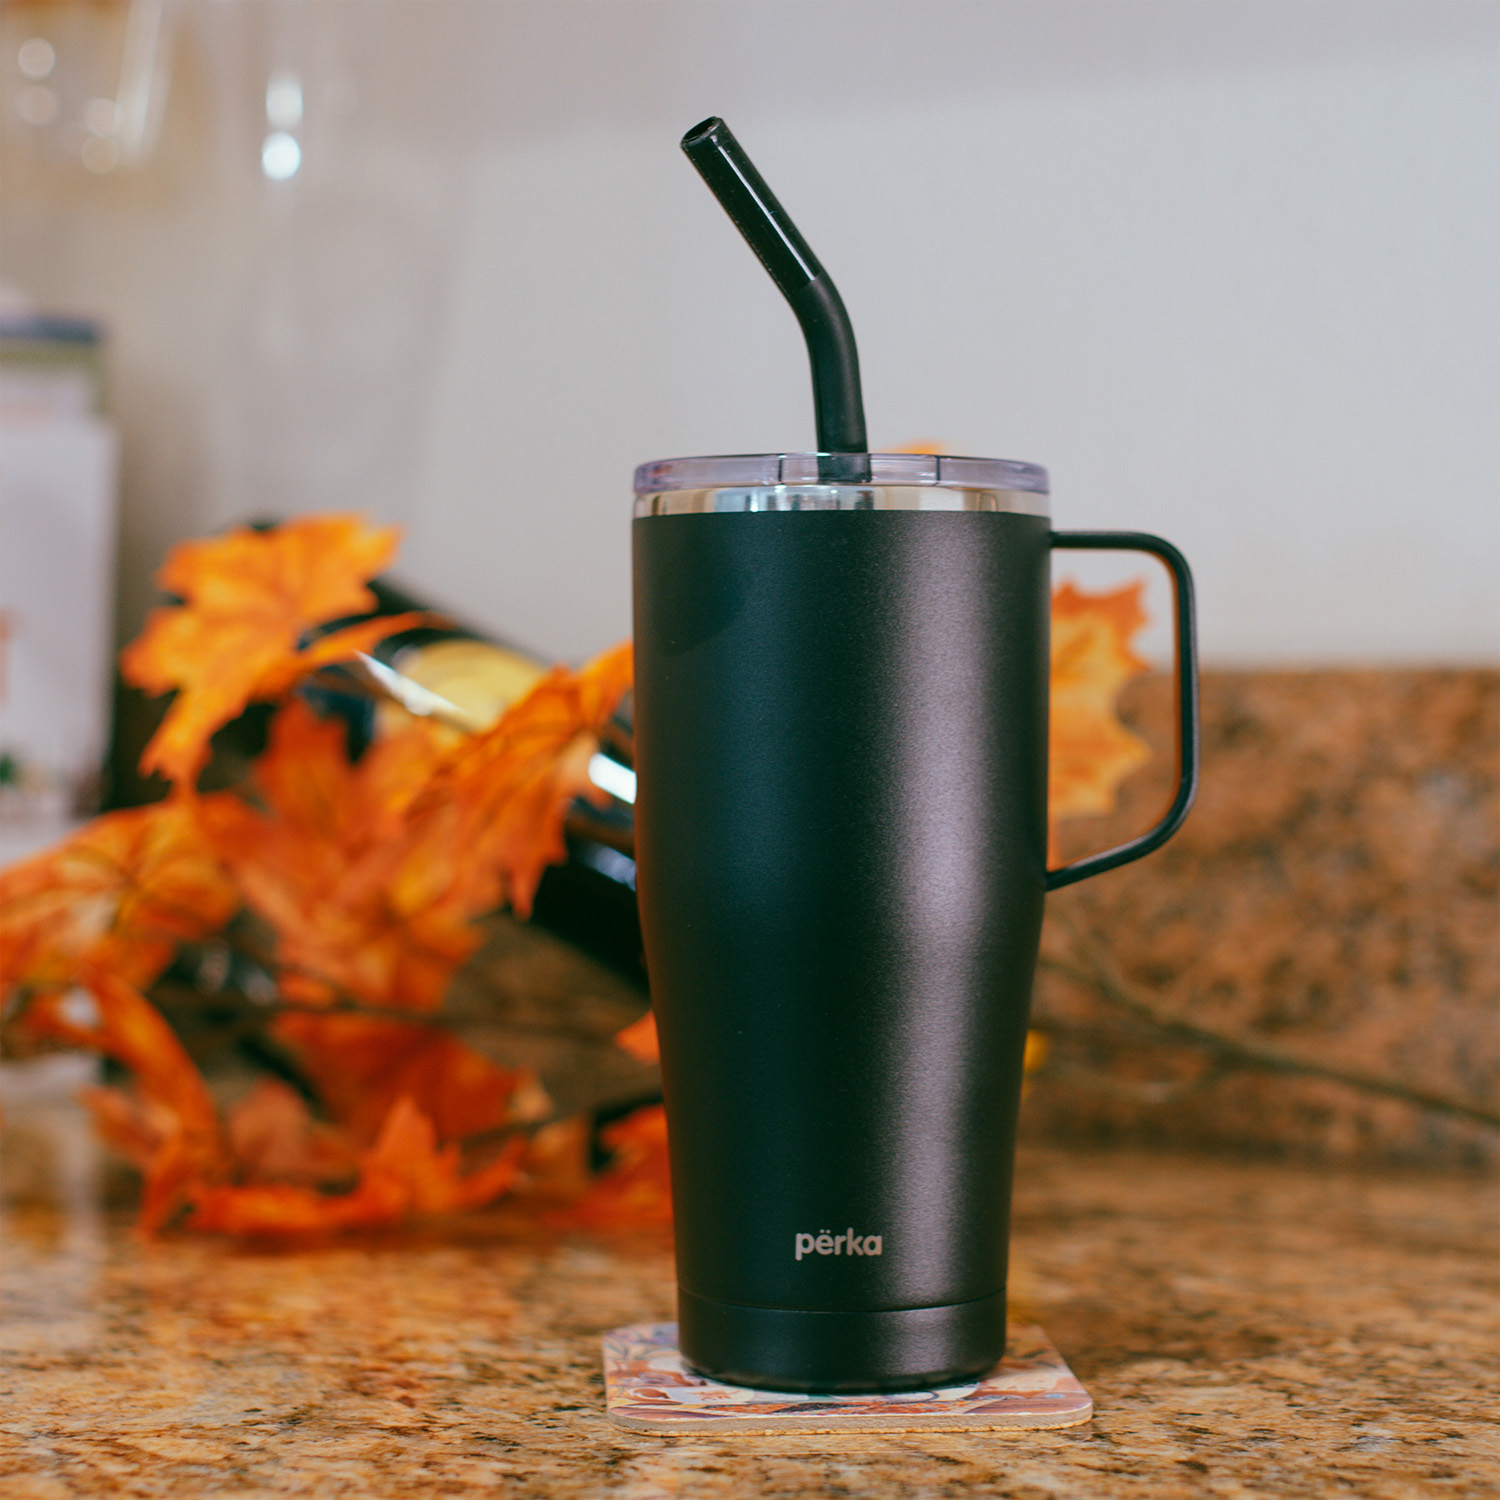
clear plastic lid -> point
(743, 470)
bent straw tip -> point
(703, 131)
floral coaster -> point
(649, 1389)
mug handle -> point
(1187, 699)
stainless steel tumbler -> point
(841, 746)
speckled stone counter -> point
(1333, 892)
(1245, 1329)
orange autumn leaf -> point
(1091, 751)
(273, 1137)
(510, 786)
(169, 1125)
(116, 897)
(405, 1173)
(249, 597)
(635, 1191)
(362, 1066)
(137, 1128)
(556, 1168)
(639, 1039)
(334, 863)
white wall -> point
(1228, 270)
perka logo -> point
(848, 1243)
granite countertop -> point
(1245, 1329)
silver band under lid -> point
(763, 498)
(757, 482)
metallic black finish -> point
(1187, 699)
(841, 746)
(770, 233)
(841, 843)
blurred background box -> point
(58, 475)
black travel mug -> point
(841, 748)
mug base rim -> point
(841, 1352)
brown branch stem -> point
(1094, 971)
(430, 1020)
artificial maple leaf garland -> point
(370, 877)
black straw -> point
(795, 269)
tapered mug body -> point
(841, 751)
